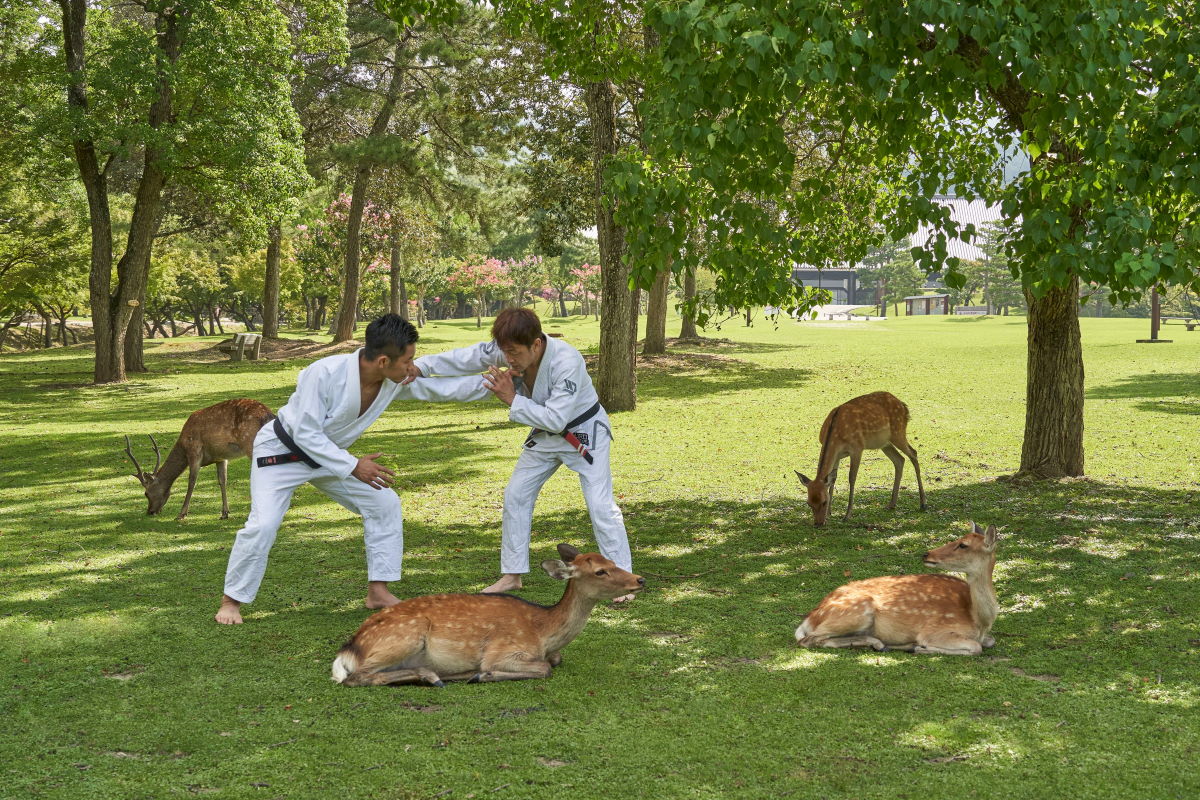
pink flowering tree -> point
(527, 274)
(481, 278)
(320, 254)
(587, 286)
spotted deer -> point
(211, 435)
(919, 613)
(481, 637)
(876, 421)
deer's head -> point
(819, 495)
(595, 577)
(157, 491)
(972, 554)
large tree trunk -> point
(687, 330)
(1053, 446)
(109, 364)
(271, 282)
(616, 380)
(115, 314)
(656, 315)
(348, 316)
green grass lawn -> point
(116, 683)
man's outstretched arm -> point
(470, 360)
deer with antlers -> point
(876, 421)
(211, 435)
(481, 637)
(918, 613)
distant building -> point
(843, 282)
(920, 305)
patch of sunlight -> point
(85, 562)
(803, 658)
(966, 740)
(673, 550)
(1021, 603)
(674, 593)
(780, 568)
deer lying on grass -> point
(919, 613)
(876, 421)
(480, 637)
(214, 434)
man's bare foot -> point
(507, 583)
(625, 598)
(230, 612)
(378, 595)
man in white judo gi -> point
(336, 399)
(547, 387)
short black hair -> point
(389, 335)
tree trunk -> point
(109, 363)
(270, 328)
(1053, 445)
(656, 315)
(348, 317)
(688, 329)
(616, 380)
(397, 289)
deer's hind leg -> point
(901, 443)
(898, 462)
(393, 675)
(849, 628)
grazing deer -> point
(481, 637)
(919, 613)
(214, 434)
(876, 421)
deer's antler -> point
(157, 454)
(141, 476)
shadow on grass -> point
(1170, 393)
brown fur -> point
(876, 421)
(211, 435)
(921, 613)
(480, 637)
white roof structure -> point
(962, 212)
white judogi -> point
(562, 391)
(322, 418)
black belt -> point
(294, 453)
(571, 438)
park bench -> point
(1189, 322)
(971, 311)
(242, 344)
(835, 314)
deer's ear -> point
(557, 569)
(989, 537)
(804, 480)
(567, 553)
(975, 528)
(829, 479)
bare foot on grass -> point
(378, 595)
(623, 599)
(507, 583)
(230, 612)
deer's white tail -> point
(345, 663)
(803, 630)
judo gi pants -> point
(271, 490)
(532, 471)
